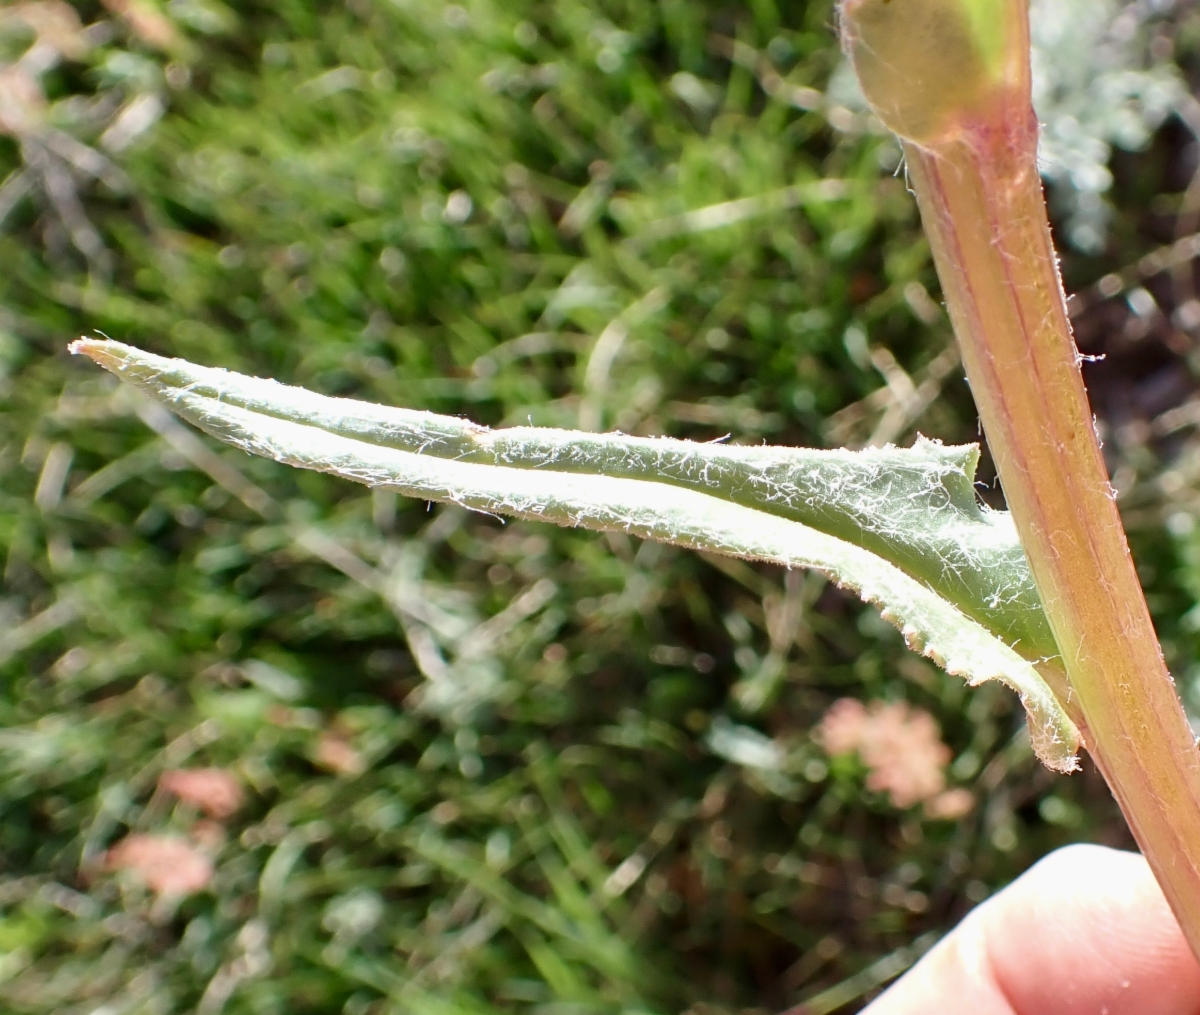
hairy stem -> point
(984, 212)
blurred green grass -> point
(488, 766)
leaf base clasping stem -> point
(970, 141)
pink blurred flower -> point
(950, 805)
(22, 102)
(336, 755)
(900, 745)
(841, 730)
(215, 791)
(166, 864)
(151, 26)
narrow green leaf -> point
(650, 509)
(915, 507)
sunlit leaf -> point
(694, 495)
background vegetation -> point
(440, 764)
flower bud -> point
(930, 68)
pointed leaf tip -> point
(100, 350)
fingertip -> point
(1087, 929)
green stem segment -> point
(982, 205)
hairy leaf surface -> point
(902, 528)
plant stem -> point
(984, 212)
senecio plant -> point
(1043, 597)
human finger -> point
(1086, 930)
